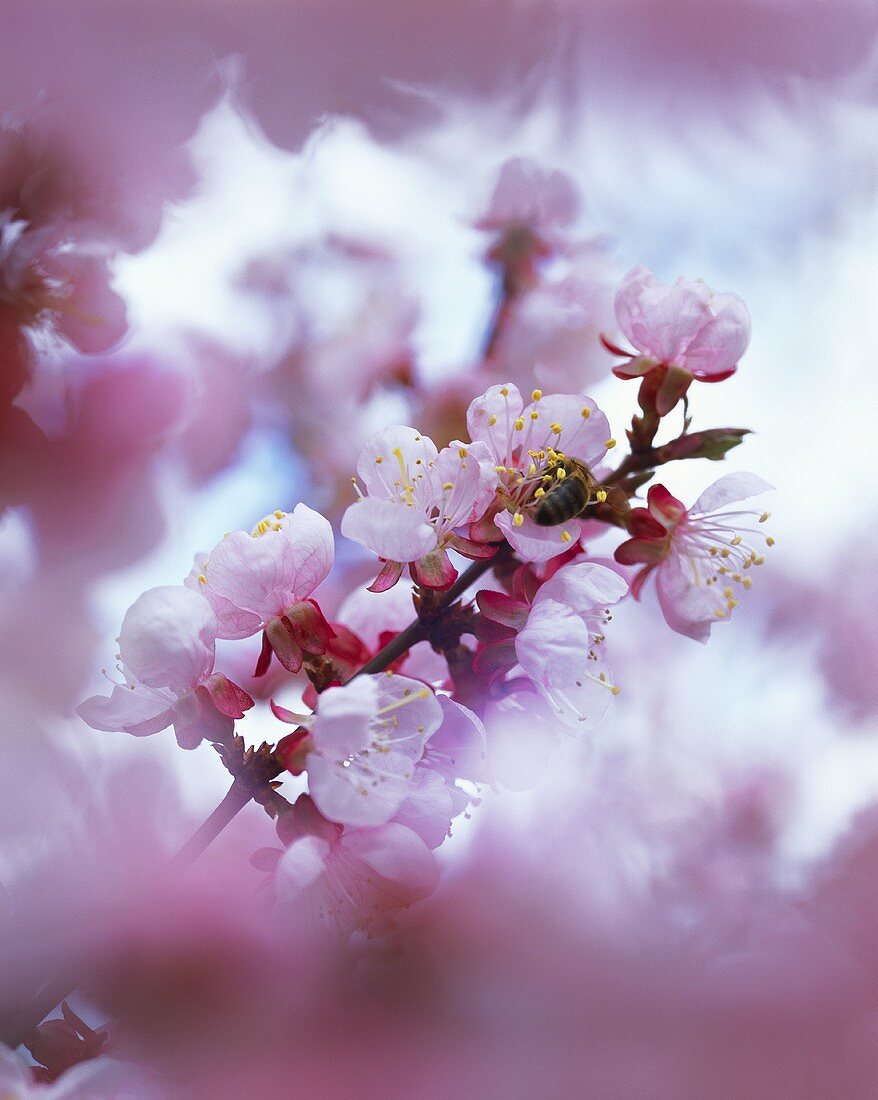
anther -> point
(536, 395)
(519, 424)
(610, 444)
(518, 519)
(586, 412)
(556, 428)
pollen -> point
(556, 428)
(505, 391)
(202, 579)
(461, 452)
(536, 395)
(586, 412)
(610, 444)
(448, 485)
(519, 424)
(378, 460)
(601, 495)
(560, 473)
(566, 536)
(492, 420)
(534, 415)
(769, 541)
(541, 492)
(518, 519)
(764, 517)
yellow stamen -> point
(610, 444)
(586, 412)
(536, 395)
(556, 428)
(518, 519)
(519, 424)
(202, 579)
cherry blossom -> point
(702, 557)
(350, 879)
(557, 646)
(264, 580)
(364, 742)
(528, 196)
(417, 499)
(688, 329)
(49, 287)
(528, 444)
(166, 658)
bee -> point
(568, 489)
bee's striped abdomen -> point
(564, 501)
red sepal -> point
(614, 349)
(495, 659)
(721, 377)
(433, 570)
(672, 389)
(503, 609)
(308, 628)
(287, 651)
(478, 551)
(642, 524)
(641, 552)
(264, 656)
(664, 506)
(390, 573)
(226, 696)
(292, 750)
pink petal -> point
(378, 466)
(584, 433)
(396, 854)
(534, 543)
(359, 792)
(427, 808)
(389, 529)
(167, 638)
(345, 716)
(721, 342)
(89, 315)
(130, 711)
(728, 490)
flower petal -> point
(168, 637)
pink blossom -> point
(264, 580)
(551, 334)
(166, 656)
(701, 557)
(365, 740)
(557, 647)
(417, 499)
(350, 879)
(686, 326)
(527, 195)
(526, 443)
(49, 287)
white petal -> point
(389, 529)
(345, 716)
(167, 638)
(398, 855)
(728, 490)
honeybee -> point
(568, 489)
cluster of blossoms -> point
(417, 689)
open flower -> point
(557, 647)
(265, 580)
(529, 197)
(529, 444)
(166, 657)
(365, 740)
(687, 330)
(347, 879)
(417, 498)
(701, 557)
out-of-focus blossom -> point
(701, 556)
(686, 328)
(98, 1079)
(551, 334)
(350, 879)
(528, 443)
(48, 288)
(417, 499)
(529, 197)
(264, 580)
(166, 651)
